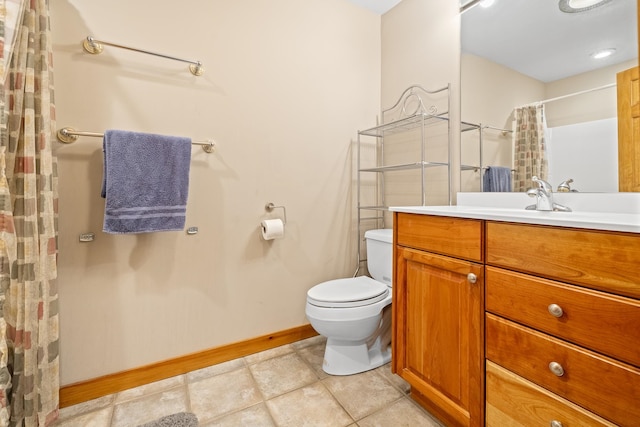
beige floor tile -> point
(232, 394)
(96, 418)
(151, 388)
(215, 396)
(318, 339)
(213, 370)
(399, 383)
(85, 407)
(255, 416)
(314, 356)
(362, 394)
(149, 408)
(403, 413)
(308, 406)
(268, 354)
(282, 374)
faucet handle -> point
(542, 184)
(564, 186)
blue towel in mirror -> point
(497, 179)
(145, 182)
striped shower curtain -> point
(530, 154)
(29, 362)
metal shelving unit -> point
(408, 114)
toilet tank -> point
(380, 254)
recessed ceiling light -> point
(574, 6)
(603, 53)
(487, 3)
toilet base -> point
(348, 358)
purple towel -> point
(145, 182)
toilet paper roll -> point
(272, 229)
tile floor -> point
(284, 386)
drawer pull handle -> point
(556, 368)
(555, 310)
(555, 423)
(472, 278)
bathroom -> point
(284, 91)
(283, 110)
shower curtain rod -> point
(68, 135)
(94, 47)
(544, 101)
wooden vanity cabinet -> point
(438, 314)
(562, 325)
(555, 311)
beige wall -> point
(421, 45)
(490, 92)
(287, 84)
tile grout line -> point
(255, 384)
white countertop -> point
(626, 219)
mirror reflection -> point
(524, 61)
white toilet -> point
(355, 314)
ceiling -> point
(377, 6)
(535, 38)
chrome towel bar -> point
(93, 46)
(69, 135)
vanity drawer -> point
(602, 322)
(513, 401)
(457, 237)
(607, 387)
(601, 260)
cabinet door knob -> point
(471, 278)
(555, 423)
(555, 310)
(556, 368)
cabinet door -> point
(628, 130)
(438, 334)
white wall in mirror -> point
(585, 152)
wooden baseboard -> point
(113, 383)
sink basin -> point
(578, 202)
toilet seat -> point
(345, 293)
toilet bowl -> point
(355, 314)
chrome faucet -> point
(544, 197)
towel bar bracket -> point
(208, 147)
(69, 135)
(90, 46)
(196, 69)
(65, 137)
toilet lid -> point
(354, 292)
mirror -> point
(520, 52)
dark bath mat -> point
(181, 419)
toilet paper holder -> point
(270, 206)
